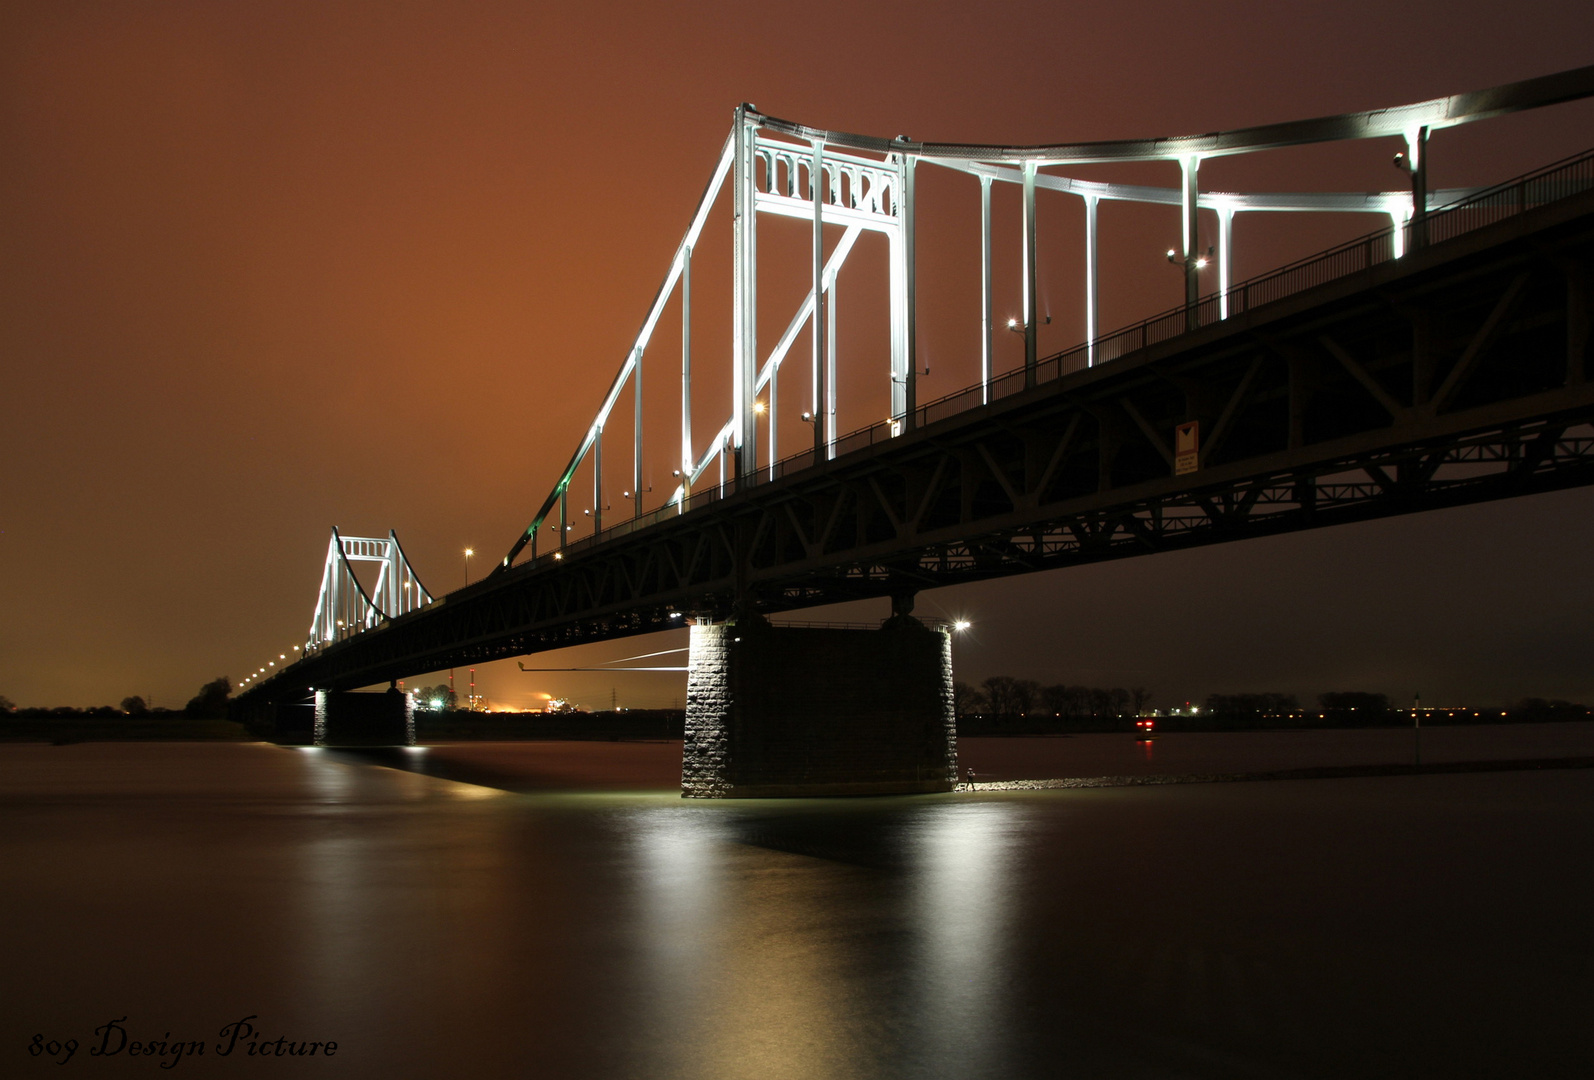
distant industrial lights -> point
(962, 624)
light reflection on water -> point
(962, 900)
(435, 928)
(761, 931)
(675, 860)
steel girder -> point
(1456, 375)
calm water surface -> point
(1404, 926)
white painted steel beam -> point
(1091, 328)
(817, 190)
(985, 289)
(686, 360)
(744, 331)
(1434, 114)
(1031, 339)
(909, 315)
(1225, 258)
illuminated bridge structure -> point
(1440, 361)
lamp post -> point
(468, 553)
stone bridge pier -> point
(354, 719)
(312, 717)
(777, 711)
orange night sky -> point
(268, 267)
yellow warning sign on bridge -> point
(1187, 448)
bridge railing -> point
(1560, 180)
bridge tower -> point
(343, 609)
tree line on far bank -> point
(209, 704)
(1003, 704)
(1005, 696)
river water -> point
(1376, 926)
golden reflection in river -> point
(962, 895)
(389, 895)
(770, 945)
(677, 857)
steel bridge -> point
(1440, 361)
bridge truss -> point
(1441, 361)
(855, 183)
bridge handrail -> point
(1550, 183)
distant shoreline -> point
(35, 726)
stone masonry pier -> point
(774, 711)
(355, 719)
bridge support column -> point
(349, 719)
(287, 723)
(779, 711)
